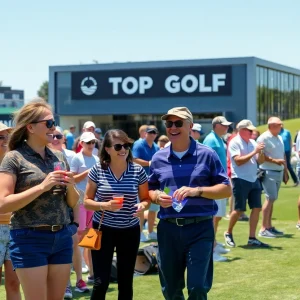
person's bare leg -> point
(216, 224)
(12, 284)
(253, 221)
(151, 220)
(266, 212)
(234, 216)
(77, 259)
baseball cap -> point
(72, 126)
(4, 127)
(98, 130)
(274, 120)
(151, 129)
(89, 124)
(197, 127)
(221, 120)
(181, 112)
(87, 136)
(245, 124)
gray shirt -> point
(274, 148)
(247, 171)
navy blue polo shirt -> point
(200, 166)
(142, 150)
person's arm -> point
(137, 153)
(242, 159)
(9, 201)
(74, 168)
(260, 158)
(276, 161)
(144, 199)
(81, 176)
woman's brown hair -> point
(29, 113)
(108, 141)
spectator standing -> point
(70, 137)
(196, 132)
(162, 141)
(81, 164)
(275, 172)
(142, 131)
(245, 154)
(214, 140)
(193, 175)
(116, 174)
(12, 284)
(143, 151)
(288, 145)
(40, 243)
(81, 287)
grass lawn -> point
(264, 274)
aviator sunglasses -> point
(57, 136)
(48, 123)
(118, 147)
(178, 124)
(91, 142)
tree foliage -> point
(43, 91)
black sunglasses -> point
(178, 124)
(118, 147)
(48, 123)
(91, 142)
(57, 136)
(3, 137)
(152, 132)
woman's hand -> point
(69, 179)
(112, 205)
(140, 210)
(52, 179)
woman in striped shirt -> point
(116, 174)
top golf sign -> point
(156, 83)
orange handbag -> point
(92, 239)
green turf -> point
(262, 274)
(293, 125)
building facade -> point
(127, 95)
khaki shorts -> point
(4, 243)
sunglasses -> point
(48, 123)
(91, 142)
(118, 147)
(3, 137)
(57, 136)
(178, 124)
(152, 132)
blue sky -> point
(35, 35)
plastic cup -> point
(119, 198)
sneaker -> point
(85, 270)
(298, 225)
(81, 287)
(276, 232)
(68, 293)
(218, 258)
(266, 234)
(220, 250)
(229, 240)
(244, 217)
(90, 279)
(152, 235)
(256, 243)
(143, 238)
(296, 184)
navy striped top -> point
(108, 185)
(200, 166)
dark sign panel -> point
(140, 83)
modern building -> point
(127, 95)
(10, 100)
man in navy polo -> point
(143, 151)
(184, 179)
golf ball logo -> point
(89, 86)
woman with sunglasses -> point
(58, 143)
(80, 166)
(116, 174)
(40, 239)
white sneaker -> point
(218, 258)
(220, 250)
(152, 236)
(143, 238)
(266, 234)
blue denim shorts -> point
(32, 248)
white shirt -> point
(274, 148)
(248, 170)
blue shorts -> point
(32, 248)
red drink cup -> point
(119, 198)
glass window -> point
(15, 96)
(1, 96)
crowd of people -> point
(54, 185)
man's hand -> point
(259, 147)
(185, 192)
(164, 200)
(285, 177)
